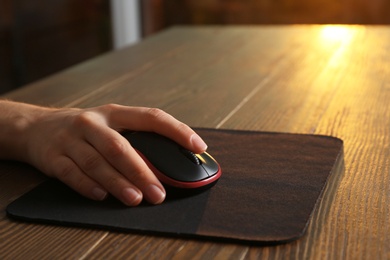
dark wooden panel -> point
(38, 39)
(158, 14)
(55, 35)
(6, 20)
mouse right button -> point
(209, 163)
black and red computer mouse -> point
(174, 165)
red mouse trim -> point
(180, 184)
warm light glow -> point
(336, 33)
(337, 40)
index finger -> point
(158, 121)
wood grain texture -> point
(301, 79)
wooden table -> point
(332, 80)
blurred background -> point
(39, 38)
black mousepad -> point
(270, 185)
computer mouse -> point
(174, 165)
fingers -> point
(155, 120)
(108, 158)
(68, 172)
(92, 176)
(97, 160)
(124, 171)
(93, 165)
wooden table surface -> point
(331, 80)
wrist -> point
(15, 121)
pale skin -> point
(84, 148)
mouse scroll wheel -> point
(190, 155)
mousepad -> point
(270, 185)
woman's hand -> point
(84, 149)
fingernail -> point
(198, 142)
(99, 194)
(131, 196)
(155, 195)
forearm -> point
(15, 118)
